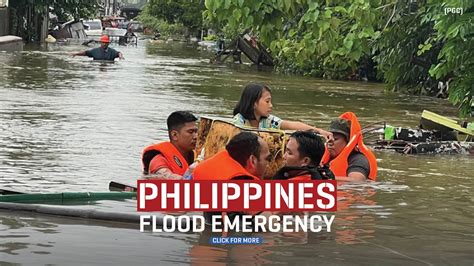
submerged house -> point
(70, 29)
(4, 18)
(8, 42)
(29, 20)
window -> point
(93, 25)
(3, 3)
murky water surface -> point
(70, 124)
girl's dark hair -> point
(250, 95)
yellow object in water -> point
(50, 39)
(430, 120)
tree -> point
(456, 58)
(27, 15)
(75, 8)
(320, 38)
(414, 43)
(424, 46)
(186, 12)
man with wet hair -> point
(171, 159)
(250, 151)
(246, 156)
(302, 158)
(304, 148)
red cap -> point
(104, 39)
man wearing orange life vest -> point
(302, 157)
(348, 157)
(171, 159)
(246, 156)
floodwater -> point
(70, 124)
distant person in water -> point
(255, 107)
(104, 52)
(129, 38)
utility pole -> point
(106, 7)
(114, 8)
(44, 26)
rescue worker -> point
(302, 157)
(104, 52)
(171, 159)
(246, 156)
(348, 157)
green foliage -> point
(166, 29)
(414, 43)
(77, 9)
(211, 37)
(321, 38)
(424, 46)
(179, 12)
(406, 49)
(27, 14)
(456, 58)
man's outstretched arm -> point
(83, 53)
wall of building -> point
(11, 43)
(4, 21)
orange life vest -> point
(178, 164)
(339, 164)
(220, 167)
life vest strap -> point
(317, 173)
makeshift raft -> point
(437, 147)
(437, 135)
(215, 133)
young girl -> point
(255, 107)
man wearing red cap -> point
(103, 52)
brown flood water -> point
(69, 124)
